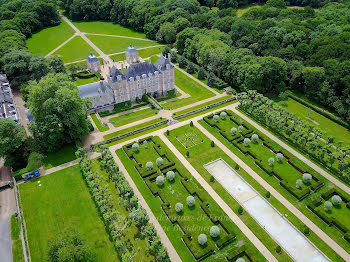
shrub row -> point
(119, 109)
(153, 102)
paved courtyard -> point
(288, 237)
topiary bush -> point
(159, 161)
(307, 231)
(135, 147)
(223, 115)
(268, 194)
(279, 157)
(240, 210)
(307, 178)
(271, 161)
(201, 73)
(328, 205)
(188, 153)
(190, 201)
(278, 250)
(233, 131)
(240, 129)
(191, 123)
(160, 180)
(212, 144)
(298, 183)
(212, 179)
(170, 175)
(179, 207)
(246, 141)
(216, 118)
(202, 239)
(149, 165)
(241, 259)
(255, 138)
(214, 231)
(336, 200)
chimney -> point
(169, 57)
(110, 70)
(122, 68)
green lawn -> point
(301, 205)
(111, 45)
(100, 127)
(340, 212)
(174, 192)
(325, 124)
(203, 153)
(83, 81)
(46, 40)
(119, 57)
(108, 28)
(17, 250)
(64, 155)
(148, 52)
(132, 117)
(189, 86)
(75, 50)
(243, 10)
(60, 203)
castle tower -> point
(93, 63)
(132, 56)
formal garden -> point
(181, 203)
(296, 181)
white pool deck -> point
(277, 226)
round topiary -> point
(202, 239)
(214, 231)
(223, 115)
(149, 165)
(271, 161)
(178, 207)
(240, 128)
(233, 131)
(307, 178)
(278, 250)
(159, 161)
(190, 201)
(246, 141)
(216, 118)
(170, 175)
(240, 210)
(298, 183)
(241, 259)
(160, 180)
(327, 205)
(255, 138)
(336, 200)
(135, 147)
(307, 231)
(268, 194)
(279, 157)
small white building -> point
(93, 63)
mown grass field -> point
(63, 202)
(100, 127)
(176, 193)
(75, 50)
(148, 52)
(17, 249)
(64, 155)
(111, 45)
(108, 28)
(132, 117)
(46, 40)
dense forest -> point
(268, 49)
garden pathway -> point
(295, 153)
(61, 45)
(164, 238)
(277, 195)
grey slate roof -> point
(139, 69)
(162, 62)
(92, 58)
(7, 104)
(93, 89)
(131, 50)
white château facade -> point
(126, 85)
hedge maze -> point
(285, 170)
(338, 216)
(191, 220)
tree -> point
(160, 180)
(223, 4)
(202, 239)
(240, 210)
(279, 157)
(211, 79)
(166, 51)
(191, 123)
(69, 247)
(135, 147)
(327, 205)
(246, 141)
(149, 165)
(187, 154)
(214, 231)
(190, 201)
(268, 194)
(255, 138)
(12, 138)
(216, 118)
(307, 178)
(212, 144)
(298, 183)
(60, 113)
(182, 62)
(271, 161)
(179, 207)
(276, 3)
(201, 74)
(55, 64)
(223, 115)
(167, 33)
(167, 132)
(35, 160)
(170, 175)
(159, 161)
(233, 131)
(336, 200)
(278, 250)
(181, 23)
(240, 128)
(191, 69)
